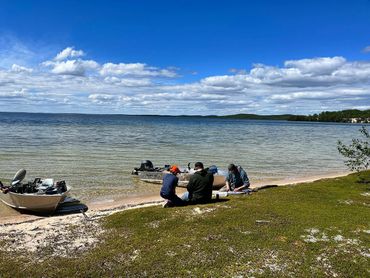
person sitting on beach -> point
(168, 190)
(199, 186)
(236, 180)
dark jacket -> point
(200, 187)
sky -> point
(184, 57)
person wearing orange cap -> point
(168, 190)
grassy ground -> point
(319, 229)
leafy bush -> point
(357, 153)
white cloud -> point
(69, 52)
(316, 66)
(14, 94)
(78, 85)
(72, 67)
(129, 82)
(135, 69)
(101, 98)
(18, 68)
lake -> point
(95, 154)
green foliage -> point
(228, 239)
(357, 153)
(326, 116)
(333, 116)
(283, 117)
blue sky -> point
(184, 57)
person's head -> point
(198, 166)
(174, 170)
(232, 168)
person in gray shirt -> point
(236, 180)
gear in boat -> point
(40, 195)
(148, 173)
(147, 166)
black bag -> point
(61, 186)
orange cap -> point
(174, 169)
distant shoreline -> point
(345, 116)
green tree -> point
(357, 154)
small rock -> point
(262, 221)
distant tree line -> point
(283, 117)
(337, 116)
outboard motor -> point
(19, 176)
(16, 183)
(146, 165)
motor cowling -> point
(146, 165)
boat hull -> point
(156, 177)
(33, 202)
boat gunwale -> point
(40, 195)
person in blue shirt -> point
(168, 190)
(236, 180)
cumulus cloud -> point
(316, 66)
(72, 67)
(69, 83)
(68, 62)
(69, 52)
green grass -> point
(226, 238)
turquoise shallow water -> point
(96, 153)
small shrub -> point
(357, 153)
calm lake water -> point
(96, 153)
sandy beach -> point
(10, 216)
(66, 234)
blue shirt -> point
(169, 184)
(238, 179)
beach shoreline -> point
(64, 235)
(122, 203)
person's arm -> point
(227, 185)
(227, 182)
(245, 179)
(190, 186)
(240, 188)
(176, 184)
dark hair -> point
(199, 165)
(231, 167)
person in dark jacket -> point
(199, 186)
(168, 190)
